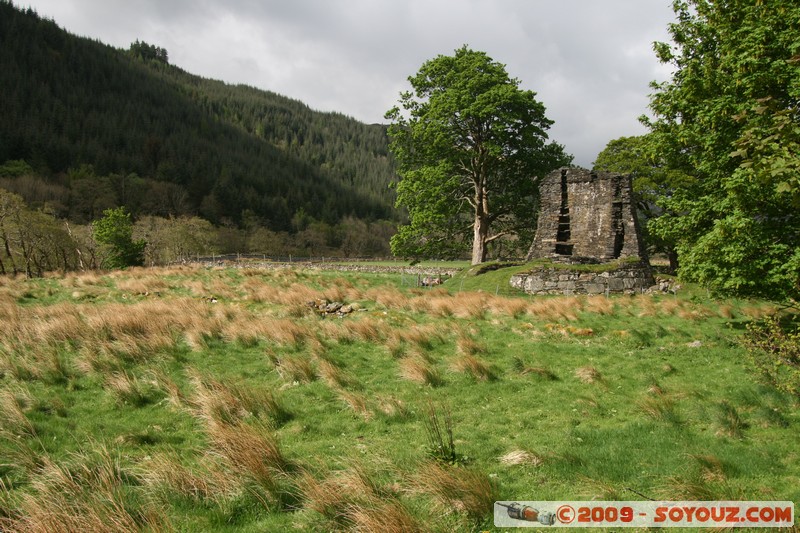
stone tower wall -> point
(586, 215)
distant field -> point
(217, 399)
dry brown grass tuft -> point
(253, 453)
(356, 402)
(229, 403)
(523, 369)
(393, 407)
(87, 495)
(367, 330)
(559, 308)
(600, 305)
(513, 307)
(660, 408)
(588, 375)
(442, 307)
(143, 286)
(457, 490)
(726, 311)
(419, 371)
(422, 336)
(166, 473)
(518, 457)
(388, 297)
(472, 305)
(694, 313)
(169, 387)
(382, 516)
(128, 389)
(334, 376)
(13, 404)
(468, 345)
(250, 328)
(346, 497)
(297, 368)
(469, 364)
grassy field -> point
(218, 399)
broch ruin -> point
(585, 218)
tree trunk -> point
(480, 233)
(672, 254)
(480, 227)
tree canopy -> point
(469, 146)
(729, 118)
(652, 179)
(114, 232)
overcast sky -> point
(590, 61)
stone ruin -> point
(587, 217)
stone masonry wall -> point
(547, 280)
(586, 214)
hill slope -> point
(163, 141)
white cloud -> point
(590, 62)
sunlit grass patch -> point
(131, 390)
(255, 454)
(458, 490)
(297, 367)
(420, 371)
(519, 457)
(474, 366)
(521, 368)
(589, 375)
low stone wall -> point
(547, 280)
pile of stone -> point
(326, 308)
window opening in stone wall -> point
(563, 246)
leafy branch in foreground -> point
(774, 348)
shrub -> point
(773, 346)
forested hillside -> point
(102, 127)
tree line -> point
(102, 126)
(33, 241)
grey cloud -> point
(590, 62)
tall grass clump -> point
(255, 455)
(352, 499)
(439, 431)
(226, 402)
(459, 490)
(475, 367)
(420, 371)
(294, 368)
(127, 389)
(660, 408)
(13, 404)
(167, 476)
(521, 368)
(589, 375)
(728, 421)
(90, 493)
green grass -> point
(593, 396)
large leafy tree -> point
(653, 179)
(469, 146)
(730, 117)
